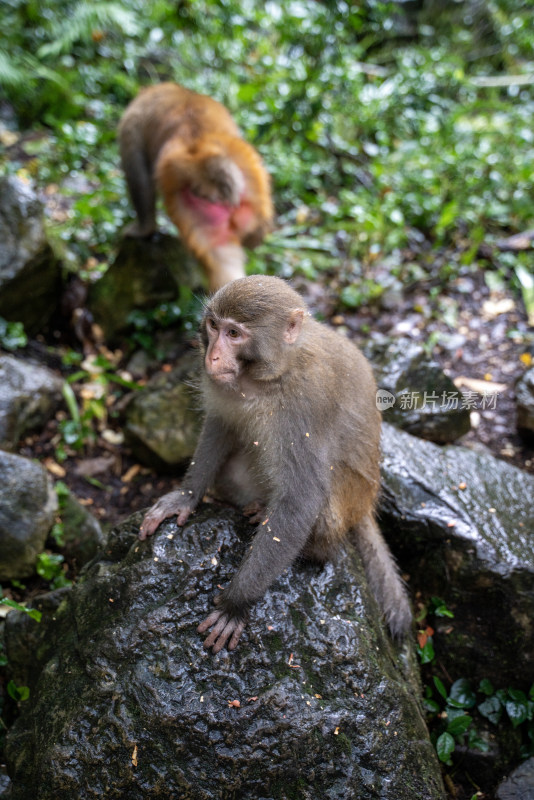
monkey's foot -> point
(255, 512)
(226, 629)
(167, 506)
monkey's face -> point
(226, 344)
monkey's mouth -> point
(228, 376)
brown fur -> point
(214, 185)
(291, 426)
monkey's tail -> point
(383, 576)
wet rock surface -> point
(163, 421)
(26, 258)
(520, 784)
(29, 396)
(462, 522)
(425, 401)
(125, 703)
(28, 505)
(145, 273)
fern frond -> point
(86, 18)
(12, 75)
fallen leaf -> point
(480, 386)
(131, 473)
(90, 467)
(53, 467)
(134, 756)
(494, 308)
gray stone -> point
(163, 420)
(28, 505)
(126, 703)
(29, 396)
(82, 534)
(462, 524)
(520, 784)
(30, 277)
(425, 401)
(145, 273)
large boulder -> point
(29, 395)
(28, 506)
(30, 277)
(145, 274)
(315, 702)
(461, 523)
(416, 394)
(163, 420)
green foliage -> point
(31, 612)
(185, 312)
(12, 335)
(451, 724)
(18, 693)
(376, 139)
(49, 567)
(95, 384)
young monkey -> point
(214, 185)
(291, 429)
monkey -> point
(291, 432)
(214, 185)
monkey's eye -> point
(234, 333)
(211, 324)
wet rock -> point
(29, 396)
(520, 784)
(82, 534)
(461, 524)
(524, 392)
(417, 395)
(125, 702)
(145, 273)
(163, 421)
(28, 505)
(28, 266)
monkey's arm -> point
(212, 450)
(278, 541)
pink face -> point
(225, 339)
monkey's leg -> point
(383, 576)
(213, 448)
(141, 186)
(224, 263)
(275, 546)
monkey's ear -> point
(294, 324)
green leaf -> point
(440, 687)
(426, 653)
(70, 400)
(18, 693)
(491, 709)
(486, 687)
(461, 695)
(445, 747)
(458, 726)
(517, 707)
(31, 612)
(49, 565)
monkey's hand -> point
(174, 503)
(226, 627)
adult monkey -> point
(291, 430)
(214, 185)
